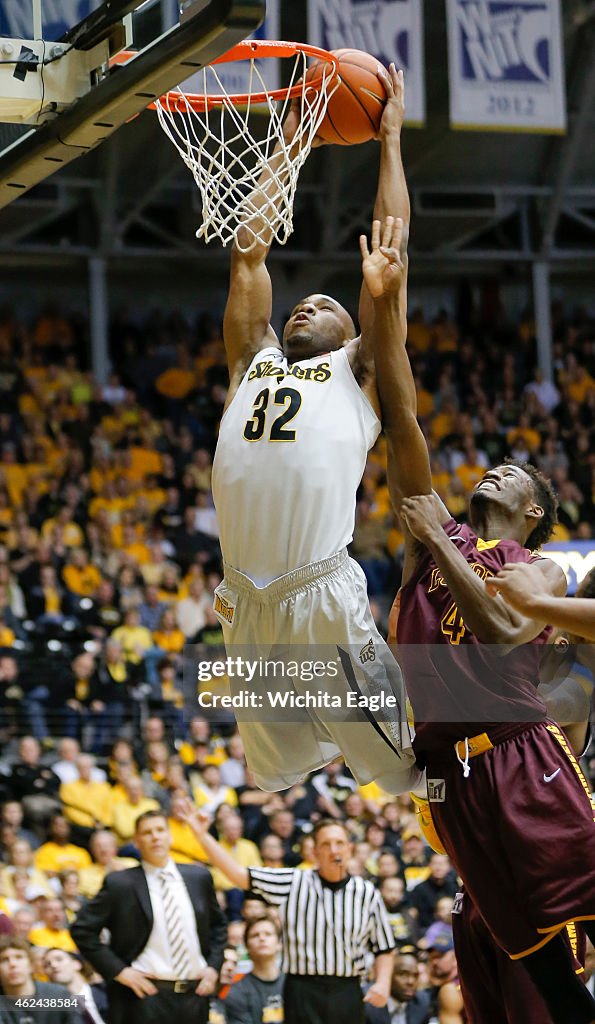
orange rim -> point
(246, 50)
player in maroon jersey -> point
(496, 989)
(509, 801)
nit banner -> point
(506, 67)
(391, 30)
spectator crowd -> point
(109, 558)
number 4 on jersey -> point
(255, 426)
(452, 625)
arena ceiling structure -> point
(479, 200)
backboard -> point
(172, 42)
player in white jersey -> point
(300, 417)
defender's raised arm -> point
(385, 274)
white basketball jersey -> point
(291, 453)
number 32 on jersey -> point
(289, 400)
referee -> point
(331, 920)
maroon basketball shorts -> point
(494, 987)
(520, 829)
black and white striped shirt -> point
(326, 930)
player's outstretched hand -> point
(383, 267)
(423, 515)
(394, 111)
(519, 584)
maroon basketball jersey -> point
(457, 686)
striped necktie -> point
(175, 930)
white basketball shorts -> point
(353, 705)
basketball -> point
(355, 108)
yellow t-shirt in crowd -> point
(171, 641)
(7, 637)
(185, 847)
(175, 382)
(82, 581)
(72, 535)
(131, 638)
(55, 858)
(52, 938)
(86, 803)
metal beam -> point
(98, 317)
(581, 218)
(98, 25)
(543, 317)
(156, 185)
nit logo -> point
(505, 41)
(382, 29)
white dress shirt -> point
(155, 959)
(397, 1011)
(86, 992)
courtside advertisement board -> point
(575, 557)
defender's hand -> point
(519, 585)
(383, 268)
(423, 515)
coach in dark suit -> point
(406, 1005)
(167, 934)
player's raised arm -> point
(392, 196)
(246, 323)
(383, 317)
(391, 200)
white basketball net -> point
(227, 160)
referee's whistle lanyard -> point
(464, 761)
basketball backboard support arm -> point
(208, 29)
(98, 25)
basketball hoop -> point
(212, 132)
